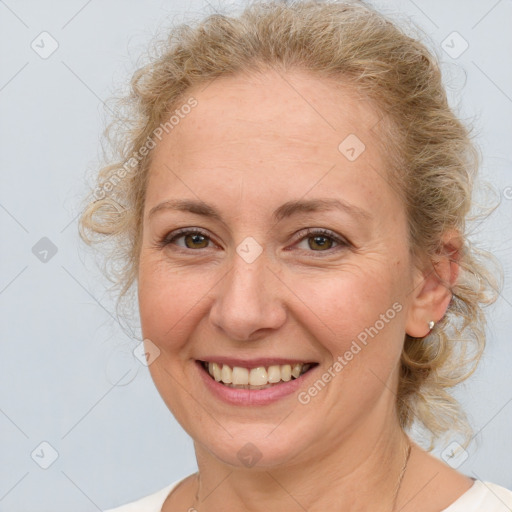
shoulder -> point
(151, 503)
(483, 496)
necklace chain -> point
(402, 473)
(400, 478)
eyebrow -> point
(285, 210)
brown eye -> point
(195, 241)
(192, 239)
(320, 242)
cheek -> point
(357, 316)
(347, 301)
(336, 306)
(361, 316)
(170, 300)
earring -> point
(431, 324)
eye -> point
(321, 240)
(315, 240)
(192, 239)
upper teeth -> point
(256, 376)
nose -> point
(249, 301)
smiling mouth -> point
(262, 377)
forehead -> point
(293, 131)
(294, 107)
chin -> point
(255, 446)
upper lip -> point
(255, 362)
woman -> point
(290, 199)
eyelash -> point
(307, 233)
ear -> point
(432, 286)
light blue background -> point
(63, 352)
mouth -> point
(261, 377)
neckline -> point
(465, 498)
(168, 490)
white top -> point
(482, 496)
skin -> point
(252, 143)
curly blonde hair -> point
(433, 162)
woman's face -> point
(259, 162)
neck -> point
(361, 472)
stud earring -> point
(431, 324)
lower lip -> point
(266, 396)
